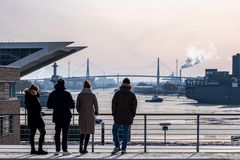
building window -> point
(11, 124)
(12, 89)
(6, 125)
(8, 56)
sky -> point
(127, 36)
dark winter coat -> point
(33, 107)
(124, 105)
(87, 108)
(61, 102)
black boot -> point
(85, 150)
(81, 148)
(41, 152)
(33, 151)
(86, 143)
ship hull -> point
(214, 94)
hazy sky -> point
(127, 36)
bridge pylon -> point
(88, 73)
(158, 73)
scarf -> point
(86, 90)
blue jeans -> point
(115, 129)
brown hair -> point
(87, 84)
(34, 87)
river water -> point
(170, 104)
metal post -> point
(145, 133)
(165, 133)
(25, 116)
(73, 115)
(103, 133)
(197, 147)
(92, 142)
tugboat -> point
(155, 98)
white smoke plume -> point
(194, 55)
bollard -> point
(165, 128)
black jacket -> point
(61, 102)
(124, 105)
(33, 107)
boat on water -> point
(155, 98)
(216, 87)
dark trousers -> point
(61, 126)
(84, 138)
(41, 138)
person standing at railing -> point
(124, 105)
(61, 102)
(35, 120)
(87, 107)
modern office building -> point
(18, 59)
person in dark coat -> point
(87, 107)
(61, 102)
(124, 105)
(35, 120)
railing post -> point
(197, 147)
(165, 137)
(103, 133)
(73, 115)
(25, 116)
(145, 133)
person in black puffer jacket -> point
(61, 102)
(35, 120)
(124, 105)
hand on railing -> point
(42, 113)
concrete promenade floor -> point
(134, 152)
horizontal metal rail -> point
(154, 132)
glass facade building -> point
(8, 56)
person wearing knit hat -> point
(61, 102)
(126, 80)
(124, 106)
(87, 107)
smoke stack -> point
(180, 76)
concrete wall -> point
(9, 74)
(6, 107)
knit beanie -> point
(126, 80)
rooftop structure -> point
(31, 56)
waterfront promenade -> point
(223, 152)
(190, 136)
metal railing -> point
(157, 132)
